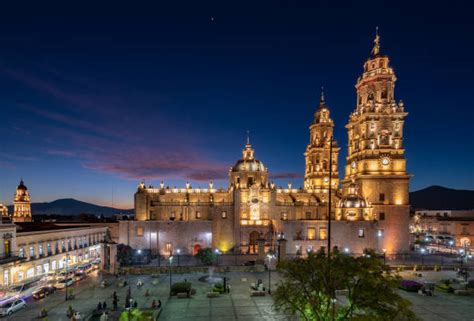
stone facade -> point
(370, 211)
(21, 204)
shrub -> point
(218, 287)
(180, 287)
(410, 286)
(445, 287)
(206, 256)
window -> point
(224, 214)
(139, 231)
(361, 233)
(63, 246)
(32, 251)
(380, 233)
(30, 273)
(21, 275)
(56, 247)
(21, 252)
(323, 233)
(168, 247)
(39, 270)
(172, 216)
(53, 265)
(69, 246)
(49, 249)
(308, 215)
(46, 267)
(381, 197)
(40, 250)
(198, 215)
(311, 233)
(382, 216)
(284, 216)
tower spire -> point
(376, 48)
(322, 95)
(248, 137)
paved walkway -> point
(237, 305)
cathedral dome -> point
(22, 186)
(352, 199)
(248, 162)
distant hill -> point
(70, 206)
(442, 198)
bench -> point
(182, 295)
(212, 294)
(257, 293)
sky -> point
(95, 98)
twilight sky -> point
(93, 99)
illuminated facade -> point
(370, 211)
(21, 204)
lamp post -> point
(384, 255)
(217, 256)
(171, 273)
(178, 251)
(422, 256)
(270, 257)
(66, 276)
(451, 243)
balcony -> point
(10, 258)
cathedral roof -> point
(248, 162)
(22, 186)
(322, 114)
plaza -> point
(236, 305)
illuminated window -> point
(172, 215)
(53, 265)
(21, 252)
(284, 216)
(198, 215)
(361, 233)
(255, 215)
(224, 214)
(21, 275)
(168, 247)
(381, 197)
(382, 216)
(323, 233)
(30, 273)
(40, 250)
(32, 251)
(139, 231)
(311, 233)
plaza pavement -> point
(238, 305)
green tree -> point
(206, 256)
(310, 285)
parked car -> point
(13, 306)
(63, 283)
(43, 292)
(78, 276)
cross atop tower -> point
(322, 94)
(376, 48)
(248, 137)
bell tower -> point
(317, 152)
(376, 156)
(21, 204)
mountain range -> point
(442, 198)
(70, 206)
(433, 197)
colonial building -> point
(370, 211)
(21, 204)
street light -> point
(384, 255)
(217, 254)
(270, 257)
(451, 243)
(66, 276)
(178, 251)
(171, 276)
(422, 256)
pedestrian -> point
(99, 306)
(159, 304)
(153, 304)
(104, 305)
(135, 304)
(114, 303)
(115, 295)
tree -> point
(206, 256)
(309, 287)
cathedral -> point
(369, 206)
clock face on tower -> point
(385, 160)
(353, 165)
